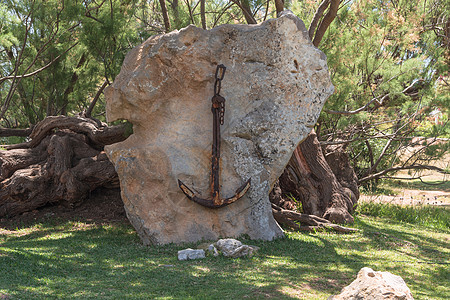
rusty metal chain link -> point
(218, 111)
(220, 101)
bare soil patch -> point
(103, 206)
(414, 192)
(411, 197)
(417, 193)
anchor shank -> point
(218, 111)
(215, 157)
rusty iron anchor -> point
(218, 110)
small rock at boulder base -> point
(234, 248)
(212, 250)
(244, 250)
(228, 246)
(375, 285)
(275, 85)
(188, 254)
(209, 248)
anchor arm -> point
(209, 202)
(218, 110)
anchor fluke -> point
(218, 111)
(215, 202)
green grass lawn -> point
(81, 261)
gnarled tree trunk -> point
(62, 163)
(309, 179)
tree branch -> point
(356, 111)
(245, 8)
(380, 157)
(72, 82)
(190, 11)
(36, 71)
(326, 21)
(18, 62)
(44, 47)
(98, 135)
(413, 167)
(312, 223)
(279, 6)
(7, 132)
(225, 9)
(165, 15)
(317, 16)
(203, 13)
(379, 103)
(94, 101)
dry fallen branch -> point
(395, 169)
(292, 219)
(98, 135)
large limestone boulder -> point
(275, 85)
(371, 285)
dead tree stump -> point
(61, 164)
(309, 179)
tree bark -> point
(165, 15)
(176, 13)
(317, 16)
(62, 164)
(308, 178)
(279, 6)
(73, 81)
(307, 222)
(203, 13)
(246, 10)
(326, 21)
(6, 132)
(96, 97)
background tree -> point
(388, 60)
(386, 66)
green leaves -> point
(69, 47)
(389, 72)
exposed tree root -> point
(62, 163)
(304, 222)
(310, 178)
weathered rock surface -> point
(209, 248)
(275, 86)
(234, 248)
(212, 250)
(189, 254)
(371, 285)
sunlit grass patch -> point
(423, 215)
(85, 261)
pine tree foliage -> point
(389, 63)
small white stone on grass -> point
(234, 248)
(188, 254)
(228, 246)
(212, 250)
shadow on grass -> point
(419, 257)
(387, 238)
(79, 261)
(110, 262)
